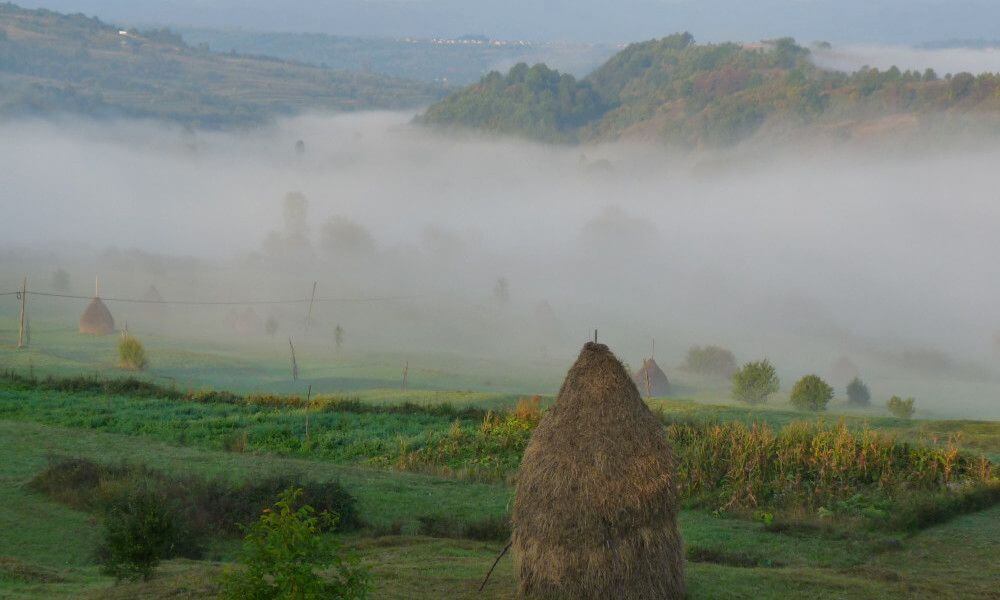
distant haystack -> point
(152, 295)
(651, 380)
(97, 319)
(595, 512)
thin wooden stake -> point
(406, 369)
(595, 336)
(502, 552)
(295, 365)
(649, 390)
(24, 301)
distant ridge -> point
(56, 63)
(675, 91)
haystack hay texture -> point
(651, 380)
(96, 319)
(595, 512)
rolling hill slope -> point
(692, 95)
(51, 62)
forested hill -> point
(693, 95)
(51, 63)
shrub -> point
(528, 410)
(857, 393)
(755, 381)
(713, 361)
(284, 551)
(139, 530)
(131, 354)
(811, 393)
(203, 507)
(900, 408)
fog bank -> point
(505, 248)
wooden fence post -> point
(24, 301)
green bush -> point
(285, 550)
(131, 354)
(139, 531)
(755, 381)
(713, 361)
(900, 408)
(811, 393)
(857, 393)
(204, 507)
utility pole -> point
(24, 302)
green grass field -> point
(47, 550)
(955, 560)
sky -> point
(606, 21)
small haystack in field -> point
(651, 380)
(595, 511)
(96, 319)
(152, 296)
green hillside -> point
(693, 95)
(51, 63)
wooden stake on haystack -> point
(24, 302)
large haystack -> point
(651, 380)
(97, 319)
(595, 513)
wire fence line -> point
(217, 302)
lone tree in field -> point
(595, 512)
(858, 393)
(60, 280)
(811, 393)
(338, 336)
(900, 408)
(711, 361)
(755, 381)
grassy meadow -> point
(846, 504)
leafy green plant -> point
(858, 393)
(811, 393)
(139, 531)
(755, 381)
(284, 552)
(131, 353)
(900, 408)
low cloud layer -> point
(804, 256)
(943, 61)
